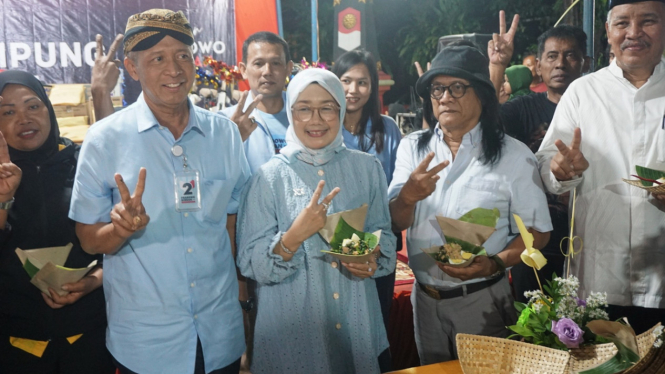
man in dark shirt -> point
(561, 59)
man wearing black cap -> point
(605, 125)
(170, 282)
(476, 166)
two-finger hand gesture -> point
(106, 70)
(569, 161)
(10, 174)
(500, 48)
(129, 216)
(419, 69)
(422, 182)
(313, 217)
(242, 117)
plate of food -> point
(464, 237)
(648, 179)
(344, 233)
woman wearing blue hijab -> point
(314, 314)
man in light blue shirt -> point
(260, 113)
(170, 276)
(473, 165)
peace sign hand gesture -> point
(242, 117)
(500, 48)
(10, 174)
(313, 217)
(106, 70)
(422, 182)
(569, 161)
(129, 216)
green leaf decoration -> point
(645, 172)
(466, 246)
(623, 337)
(623, 360)
(30, 268)
(345, 231)
(482, 216)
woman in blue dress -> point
(366, 130)
(314, 314)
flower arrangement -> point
(314, 64)
(229, 74)
(557, 318)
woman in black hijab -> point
(42, 333)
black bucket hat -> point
(459, 61)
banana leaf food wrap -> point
(648, 179)
(45, 268)
(344, 233)
(464, 237)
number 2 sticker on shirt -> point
(187, 191)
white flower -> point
(346, 242)
(597, 300)
(568, 286)
(657, 343)
(355, 238)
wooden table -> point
(450, 367)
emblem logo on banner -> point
(349, 26)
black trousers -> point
(640, 319)
(234, 368)
(86, 355)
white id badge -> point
(187, 191)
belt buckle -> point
(432, 292)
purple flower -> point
(580, 302)
(568, 332)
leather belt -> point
(462, 290)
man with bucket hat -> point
(474, 165)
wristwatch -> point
(500, 265)
(7, 204)
(247, 305)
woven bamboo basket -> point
(653, 189)
(483, 354)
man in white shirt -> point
(611, 121)
(461, 163)
(260, 113)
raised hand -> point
(313, 217)
(10, 174)
(422, 182)
(241, 117)
(129, 216)
(105, 71)
(569, 161)
(419, 69)
(500, 48)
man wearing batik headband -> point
(171, 286)
(605, 125)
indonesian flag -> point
(348, 29)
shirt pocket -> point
(480, 193)
(215, 196)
